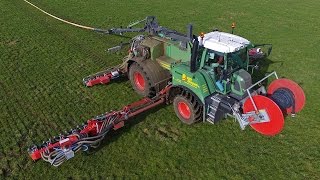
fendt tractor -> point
(207, 78)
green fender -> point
(199, 82)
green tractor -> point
(206, 78)
(209, 76)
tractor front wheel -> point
(187, 108)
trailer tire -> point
(140, 81)
(187, 108)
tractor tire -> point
(140, 81)
(187, 108)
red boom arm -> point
(94, 130)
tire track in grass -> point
(36, 114)
(24, 107)
(18, 108)
(71, 83)
(21, 102)
(74, 84)
(5, 132)
(40, 125)
(46, 94)
(53, 100)
(10, 110)
(6, 143)
(19, 116)
(18, 81)
(11, 140)
(40, 129)
(63, 115)
(70, 91)
(46, 124)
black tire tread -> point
(149, 91)
(197, 106)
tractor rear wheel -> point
(187, 108)
(140, 81)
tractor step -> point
(217, 106)
(213, 105)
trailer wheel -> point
(140, 81)
(187, 108)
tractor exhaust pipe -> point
(194, 54)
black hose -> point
(284, 98)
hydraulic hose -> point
(65, 21)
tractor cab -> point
(225, 58)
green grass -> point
(43, 61)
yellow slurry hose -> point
(65, 21)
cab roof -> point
(223, 42)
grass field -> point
(43, 61)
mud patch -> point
(167, 134)
(13, 43)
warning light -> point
(233, 25)
(202, 35)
